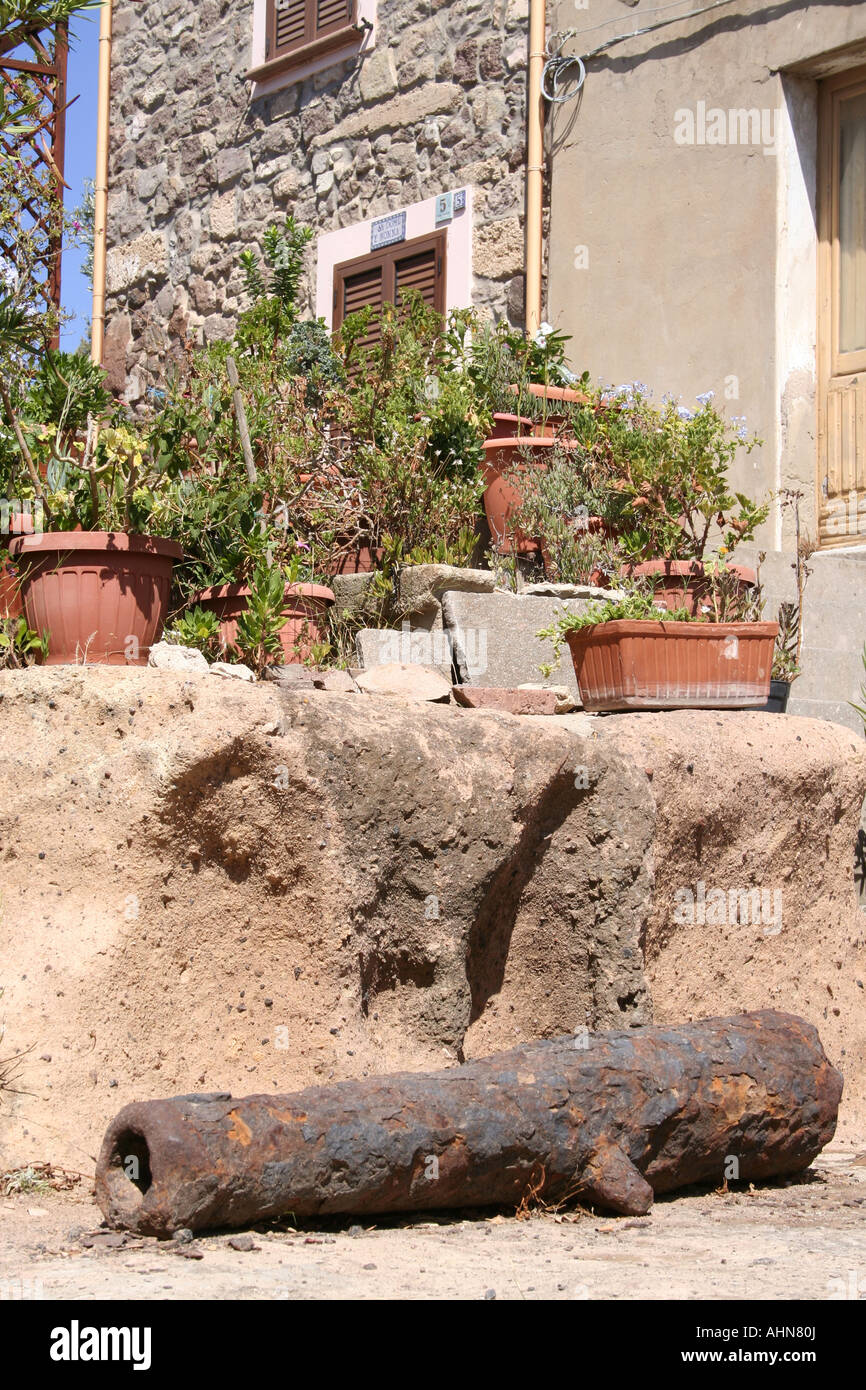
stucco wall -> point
(201, 161)
(691, 266)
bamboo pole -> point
(103, 130)
(534, 166)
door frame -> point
(832, 364)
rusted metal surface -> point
(608, 1118)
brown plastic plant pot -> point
(359, 559)
(502, 459)
(631, 665)
(304, 607)
(684, 583)
(102, 596)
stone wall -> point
(199, 168)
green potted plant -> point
(560, 508)
(630, 653)
(789, 642)
(670, 465)
(95, 578)
(522, 375)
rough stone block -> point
(223, 221)
(231, 164)
(498, 252)
(350, 592)
(126, 265)
(502, 880)
(412, 681)
(419, 647)
(167, 656)
(335, 680)
(292, 677)
(495, 641)
(233, 671)
(378, 75)
(421, 588)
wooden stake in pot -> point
(241, 417)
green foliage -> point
(786, 665)
(670, 466)
(31, 210)
(861, 709)
(259, 626)
(18, 18)
(199, 628)
(272, 285)
(562, 506)
(20, 645)
(67, 387)
(636, 605)
(308, 353)
(499, 357)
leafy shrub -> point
(199, 628)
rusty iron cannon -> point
(609, 1119)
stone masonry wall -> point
(198, 169)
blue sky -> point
(80, 164)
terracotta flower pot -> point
(626, 664)
(553, 420)
(501, 497)
(684, 583)
(360, 559)
(101, 596)
(552, 393)
(305, 606)
(510, 426)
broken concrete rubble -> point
(523, 701)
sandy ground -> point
(804, 1240)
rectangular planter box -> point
(659, 665)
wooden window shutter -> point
(380, 278)
(295, 23)
(360, 290)
(420, 272)
(333, 14)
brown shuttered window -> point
(381, 277)
(292, 24)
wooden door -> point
(842, 310)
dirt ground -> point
(804, 1240)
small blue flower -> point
(705, 398)
(684, 413)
